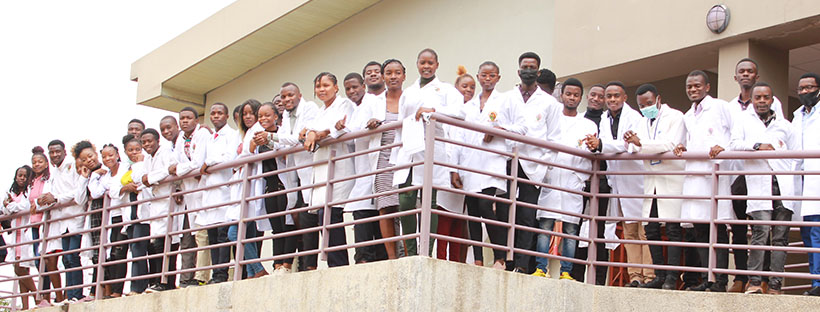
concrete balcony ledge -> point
(424, 284)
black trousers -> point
(118, 252)
(220, 255)
(691, 258)
(283, 245)
(367, 232)
(601, 253)
(653, 233)
(740, 231)
(524, 216)
(336, 237)
(722, 255)
(483, 208)
(157, 246)
(139, 249)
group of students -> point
(535, 108)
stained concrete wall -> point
(423, 284)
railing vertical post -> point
(427, 188)
(240, 226)
(99, 293)
(712, 226)
(42, 267)
(172, 204)
(327, 208)
(592, 249)
(511, 212)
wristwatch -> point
(756, 146)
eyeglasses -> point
(808, 88)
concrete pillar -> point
(773, 68)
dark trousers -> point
(740, 231)
(721, 254)
(139, 249)
(118, 252)
(157, 246)
(483, 208)
(601, 253)
(524, 216)
(691, 258)
(282, 245)
(336, 237)
(72, 260)
(366, 232)
(187, 241)
(653, 233)
(220, 255)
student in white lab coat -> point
(708, 128)
(661, 131)
(373, 75)
(765, 131)
(806, 125)
(62, 189)
(298, 113)
(90, 170)
(356, 92)
(101, 186)
(190, 147)
(485, 109)
(16, 200)
(334, 109)
(574, 129)
(621, 118)
(427, 94)
(131, 189)
(529, 111)
(222, 147)
(159, 159)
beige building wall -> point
(462, 32)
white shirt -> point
(537, 118)
(372, 107)
(185, 165)
(156, 168)
(64, 185)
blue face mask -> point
(650, 112)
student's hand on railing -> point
(172, 170)
(592, 142)
(129, 188)
(678, 151)
(203, 170)
(7, 201)
(310, 141)
(145, 181)
(423, 110)
(455, 180)
(632, 137)
(46, 199)
(302, 134)
(373, 123)
(765, 147)
(178, 199)
(260, 138)
(715, 150)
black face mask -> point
(528, 76)
(809, 99)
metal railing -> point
(425, 212)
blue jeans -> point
(567, 245)
(250, 251)
(811, 238)
(72, 260)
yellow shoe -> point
(539, 273)
(565, 276)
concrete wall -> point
(462, 32)
(423, 284)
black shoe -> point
(216, 281)
(656, 283)
(703, 286)
(520, 270)
(188, 283)
(717, 287)
(670, 284)
(814, 291)
(633, 284)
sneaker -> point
(565, 276)
(774, 290)
(703, 286)
(281, 270)
(520, 270)
(157, 288)
(717, 287)
(216, 281)
(655, 283)
(539, 273)
(86, 299)
(634, 283)
(260, 274)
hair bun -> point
(461, 70)
(37, 150)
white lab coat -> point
(185, 165)
(156, 168)
(735, 108)
(20, 203)
(573, 130)
(222, 147)
(65, 187)
(711, 126)
(473, 158)
(662, 135)
(341, 108)
(445, 99)
(450, 201)
(257, 186)
(630, 119)
(747, 130)
(538, 118)
(806, 129)
(372, 107)
(288, 135)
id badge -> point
(654, 162)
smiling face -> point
(290, 97)
(133, 149)
(354, 90)
(149, 143)
(571, 97)
(57, 154)
(696, 88)
(427, 65)
(615, 98)
(39, 163)
(394, 76)
(21, 177)
(267, 117)
(169, 129)
(595, 99)
(373, 76)
(88, 158)
(110, 157)
(325, 89)
(466, 86)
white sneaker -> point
(281, 270)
